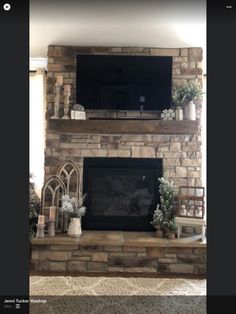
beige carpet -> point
(117, 295)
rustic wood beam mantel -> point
(124, 126)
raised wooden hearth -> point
(124, 126)
(118, 251)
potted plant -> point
(183, 96)
(73, 207)
(164, 215)
(178, 100)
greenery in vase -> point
(73, 206)
(164, 215)
(182, 94)
(34, 208)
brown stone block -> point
(52, 161)
(131, 262)
(182, 268)
(190, 71)
(91, 248)
(55, 67)
(191, 259)
(168, 255)
(112, 248)
(200, 251)
(124, 254)
(195, 54)
(167, 260)
(99, 257)
(97, 266)
(155, 252)
(133, 249)
(115, 269)
(81, 258)
(43, 266)
(82, 253)
(35, 255)
(200, 270)
(57, 266)
(55, 255)
(76, 266)
(54, 53)
(63, 247)
(140, 269)
(69, 68)
(175, 250)
(163, 268)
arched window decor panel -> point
(69, 173)
(52, 191)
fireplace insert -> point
(122, 193)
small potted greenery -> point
(164, 215)
(74, 209)
(183, 96)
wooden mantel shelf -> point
(124, 126)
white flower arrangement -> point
(168, 114)
(73, 206)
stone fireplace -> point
(176, 143)
(121, 159)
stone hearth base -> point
(118, 251)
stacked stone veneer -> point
(96, 258)
(181, 154)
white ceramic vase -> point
(191, 111)
(74, 229)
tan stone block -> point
(180, 59)
(112, 248)
(81, 258)
(124, 254)
(141, 254)
(172, 52)
(57, 266)
(59, 256)
(133, 249)
(168, 255)
(35, 255)
(172, 155)
(184, 65)
(155, 252)
(159, 155)
(99, 257)
(116, 269)
(199, 65)
(143, 151)
(97, 266)
(76, 266)
(140, 269)
(43, 266)
(184, 52)
(175, 147)
(163, 149)
(83, 253)
(93, 152)
(119, 153)
(167, 260)
(171, 162)
(116, 49)
(182, 268)
(191, 162)
(192, 65)
(176, 71)
(181, 172)
(55, 67)
(195, 54)
(194, 174)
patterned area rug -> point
(117, 295)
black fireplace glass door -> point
(120, 198)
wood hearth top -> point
(119, 238)
(124, 126)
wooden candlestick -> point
(51, 228)
(57, 102)
(66, 101)
(40, 231)
(52, 212)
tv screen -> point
(116, 82)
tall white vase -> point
(179, 113)
(74, 229)
(191, 111)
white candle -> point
(67, 88)
(41, 220)
(60, 80)
(52, 213)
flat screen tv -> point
(117, 82)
